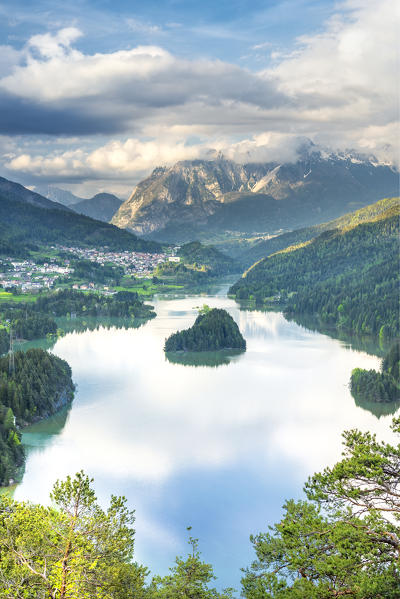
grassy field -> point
(147, 288)
(5, 296)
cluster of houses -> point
(133, 263)
(28, 276)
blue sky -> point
(93, 95)
(227, 30)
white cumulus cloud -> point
(338, 88)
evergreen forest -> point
(342, 540)
(35, 386)
(34, 320)
(198, 264)
(23, 226)
(213, 329)
(348, 278)
(383, 386)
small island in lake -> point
(214, 329)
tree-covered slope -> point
(15, 192)
(22, 224)
(208, 256)
(383, 386)
(38, 386)
(213, 330)
(251, 251)
(198, 264)
(349, 277)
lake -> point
(218, 448)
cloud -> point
(114, 159)
(338, 88)
(141, 27)
(262, 46)
(133, 158)
(156, 436)
(55, 46)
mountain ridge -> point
(27, 218)
(196, 198)
(101, 206)
(56, 194)
(16, 192)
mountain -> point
(27, 218)
(14, 191)
(62, 196)
(347, 278)
(102, 206)
(249, 251)
(209, 199)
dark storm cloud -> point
(20, 116)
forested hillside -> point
(348, 278)
(383, 386)
(37, 386)
(23, 224)
(249, 251)
(198, 264)
(209, 256)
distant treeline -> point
(34, 320)
(249, 251)
(36, 387)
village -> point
(28, 276)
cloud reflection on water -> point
(146, 427)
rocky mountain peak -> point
(205, 194)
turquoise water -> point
(216, 447)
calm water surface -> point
(217, 448)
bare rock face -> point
(189, 191)
(221, 196)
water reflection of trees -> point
(365, 343)
(49, 426)
(211, 359)
(378, 409)
(80, 325)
